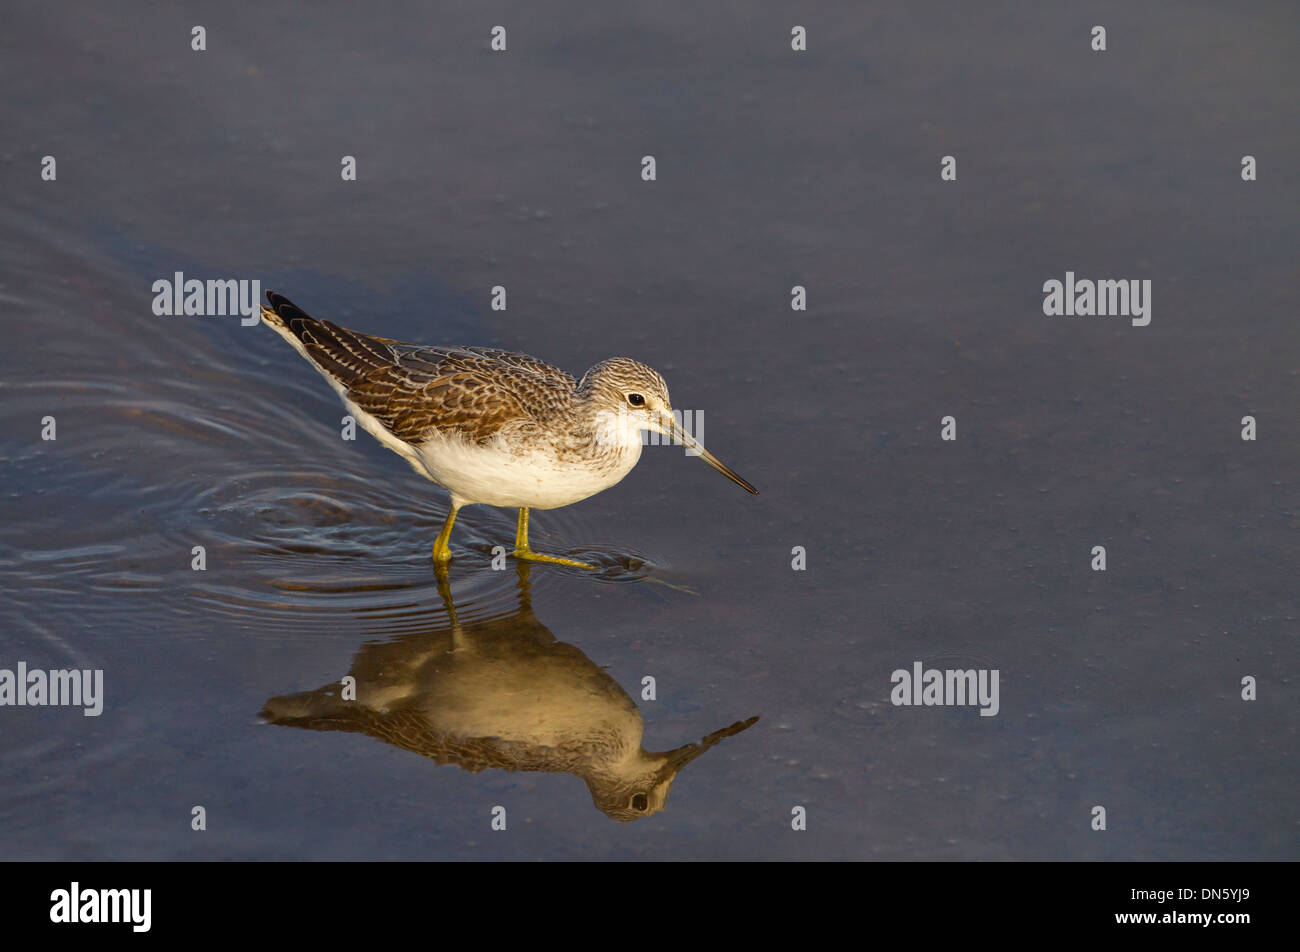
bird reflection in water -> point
(501, 693)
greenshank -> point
(489, 426)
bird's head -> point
(628, 397)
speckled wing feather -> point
(417, 391)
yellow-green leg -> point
(441, 548)
(522, 551)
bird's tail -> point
(285, 317)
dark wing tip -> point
(284, 307)
(294, 317)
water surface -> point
(1118, 688)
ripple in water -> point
(207, 442)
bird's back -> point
(417, 392)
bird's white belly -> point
(488, 474)
(493, 476)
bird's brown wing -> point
(416, 392)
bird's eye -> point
(635, 399)
(639, 802)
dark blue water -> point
(1119, 688)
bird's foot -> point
(528, 555)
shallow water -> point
(1118, 688)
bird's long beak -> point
(691, 443)
(675, 760)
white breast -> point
(493, 476)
